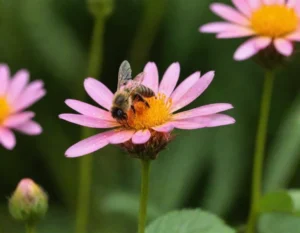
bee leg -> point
(138, 97)
(132, 108)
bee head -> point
(118, 113)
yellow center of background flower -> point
(145, 117)
(274, 21)
(4, 109)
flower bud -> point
(29, 203)
(100, 7)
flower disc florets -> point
(146, 117)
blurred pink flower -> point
(267, 22)
(16, 94)
(159, 117)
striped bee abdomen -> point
(144, 91)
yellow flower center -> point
(4, 109)
(146, 117)
(274, 20)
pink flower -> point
(267, 22)
(16, 94)
(160, 117)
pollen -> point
(4, 109)
(145, 117)
(274, 20)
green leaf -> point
(295, 195)
(188, 221)
(281, 201)
(279, 223)
(277, 201)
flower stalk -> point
(144, 195)
(260, 151)
(100, 9)
(30, 228)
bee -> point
(128, 92)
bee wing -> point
(124, 74)
(139, 78)
(134, 83)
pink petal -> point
(280, 2)
(17, 84)
(28, 99)
(151, 76)
(141, 136)
(34, 86)
(224, 27)
(216, 27)
(187, 124)
(185, 86)
(202, 111)
(4, 78)
(89, 110)
(99, 92)
(297, 8)
(219, 120)
(87, 121)
(121, 136)
(30, 128)
(294, 36)
(7, 138)
(291, 3)
(251, 47)
(254, 4)
(170, 79)
(89, 145)
(283, 46)
(193, 93)
(229, 13)
(243, 6)
(262, 42)
(167, 127)
(18, 119)
(204, 121)
(269, 2)
(237, 33)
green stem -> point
(86, 162)
(260, 151)
(144, 195)
(146, 32)
(30, 228)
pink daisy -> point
(267, 22)
(16, 94)
(147, 122)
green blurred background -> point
(207, 168)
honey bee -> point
(128, 91)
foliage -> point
(188, 221)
